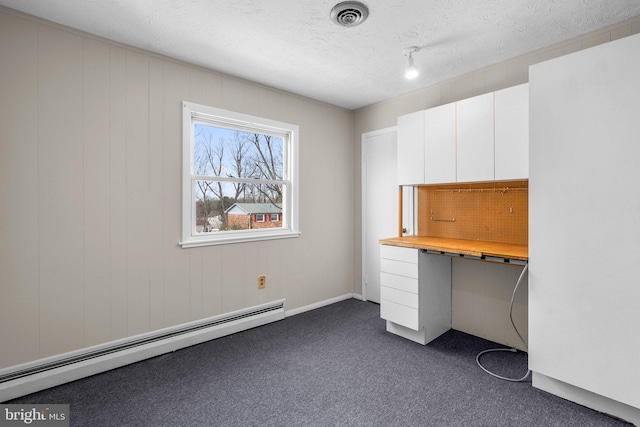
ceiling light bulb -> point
(411, 72)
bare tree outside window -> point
(251, 165)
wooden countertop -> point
(459, 246)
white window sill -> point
(226, 239)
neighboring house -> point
(243, 216)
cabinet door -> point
(474, 127)
(512, 133)
(440, 144)
(411, 149)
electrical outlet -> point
(262, 282)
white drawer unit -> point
(408, 299)
(400, 314)
(399, 287)
(415, 293)
(402, 283)
(400, 268)
(398, 253)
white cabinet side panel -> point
(435, 294)
(584, 231)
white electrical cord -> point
(512, 350)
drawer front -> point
(400, 314)
(399, 253)
(399, 297)
(403, 283)
(399, 268)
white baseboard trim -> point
(586, 398)
(34, 376)
(294, 311)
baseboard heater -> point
(44, 373)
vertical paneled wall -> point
(90, 203)
(473, 306)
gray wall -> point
(90, 195)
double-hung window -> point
(237, 170)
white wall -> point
(90, 203)
(468, 299)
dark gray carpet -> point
(334, 366)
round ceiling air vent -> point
(349, 13)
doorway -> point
(379, 204)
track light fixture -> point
(411, 72)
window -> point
(238, 171)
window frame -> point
(192, 113)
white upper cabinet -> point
(411, 148)
(484, 138)
(474, 128)
(440, 144)
(512, 133)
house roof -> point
(253, 208)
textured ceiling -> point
(293, 45)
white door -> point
(379, 203)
